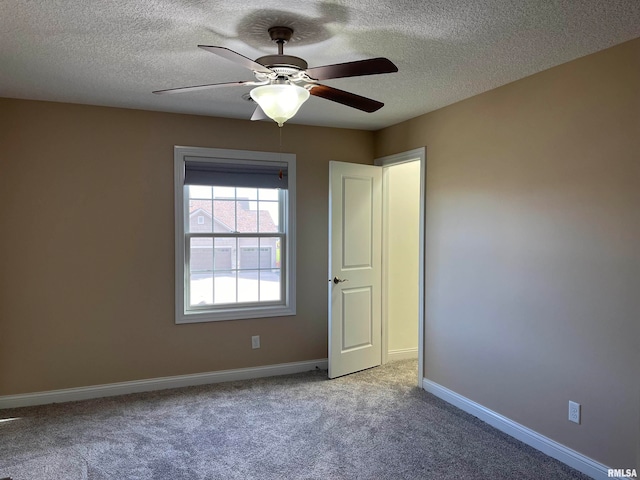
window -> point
(235, 247)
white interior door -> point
(355, 267)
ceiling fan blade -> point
(200, 87)
(258, 114)
(236, 58)
(346, 98)
(358, 68)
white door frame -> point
(411, 155)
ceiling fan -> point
(284, 82)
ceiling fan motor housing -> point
(283, 61)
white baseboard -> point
(136, 386)
(402, 354)
(532, 438)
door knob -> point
(337, 280)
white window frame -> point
(235, 312)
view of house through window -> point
(234, 245)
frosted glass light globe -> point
(280, 102)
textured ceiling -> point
(117, 52)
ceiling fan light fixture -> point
(280, 102)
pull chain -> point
(280, 150)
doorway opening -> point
(403, 183)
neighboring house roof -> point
(225, 213)
(217, 224)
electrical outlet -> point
(574, 412)
(255, 341)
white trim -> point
(183, 316)
(404, 157)
(384, 341)
(566, 455)
(402, 354)
(137, 386)
(410, 156)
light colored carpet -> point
(374, 424)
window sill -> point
(235, 314)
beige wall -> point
(402, 222)
(86, 247)
(533, 250)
